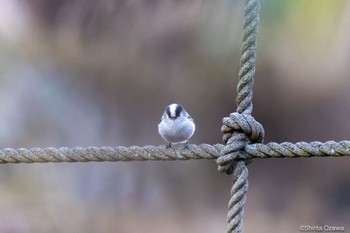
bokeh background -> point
(100, 73)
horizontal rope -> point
(203, 151)
(99, 154)
(299, 149)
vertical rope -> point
(244, 107)
(248, 57)
(238, 197)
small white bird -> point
(176, 125)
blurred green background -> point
(100, 73)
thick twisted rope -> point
(99, 154)
(298, 150)
(154, 153)
(240, 128)
(247, 67)
(238, 197)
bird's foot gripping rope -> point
(239, 130)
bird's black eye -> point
(178, 110)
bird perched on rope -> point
(176, 125)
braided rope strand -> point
(248, 57)
(299, 149)
(243, 129)
(156, 153)
(95, 154)
(238, 197)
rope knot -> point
(239, 130)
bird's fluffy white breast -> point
(177, 130)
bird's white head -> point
(174, 110)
